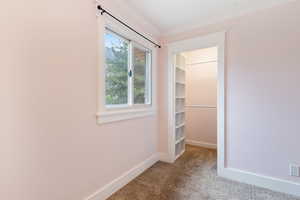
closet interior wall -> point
(201, 96)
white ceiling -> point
(171, 16)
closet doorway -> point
(196, 112)
(201, 97)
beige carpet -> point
(192, 177)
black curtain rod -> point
(108, 13)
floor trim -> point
(124, 179)
(202, 144)
(267, 182)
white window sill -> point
(120, 115)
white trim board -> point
(201, 144)
(267, 182)
(120, 115)
(212, 40)
(106, 191)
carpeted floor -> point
(192, 177)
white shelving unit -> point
(179, 111)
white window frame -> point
(112, 113)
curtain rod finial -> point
(101, 9)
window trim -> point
(113, 113)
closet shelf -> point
(179, 112)
(180, 125)
(180, 97)
(177, 156)
(180, 68)
(181, 83)
(180, 140)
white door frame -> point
(212, 40)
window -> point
(127, 72)
(126, 78)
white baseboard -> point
(124, 179)
(267, 182)
(271, 183)
(164, 157)
(201, 144)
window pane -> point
(116, 69)
(140, 79)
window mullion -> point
(130, 75)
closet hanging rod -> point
(197, 63)
(103, 11)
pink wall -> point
(51, 147)
(262, 84)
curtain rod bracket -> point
(101, 9)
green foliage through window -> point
(116, 70)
